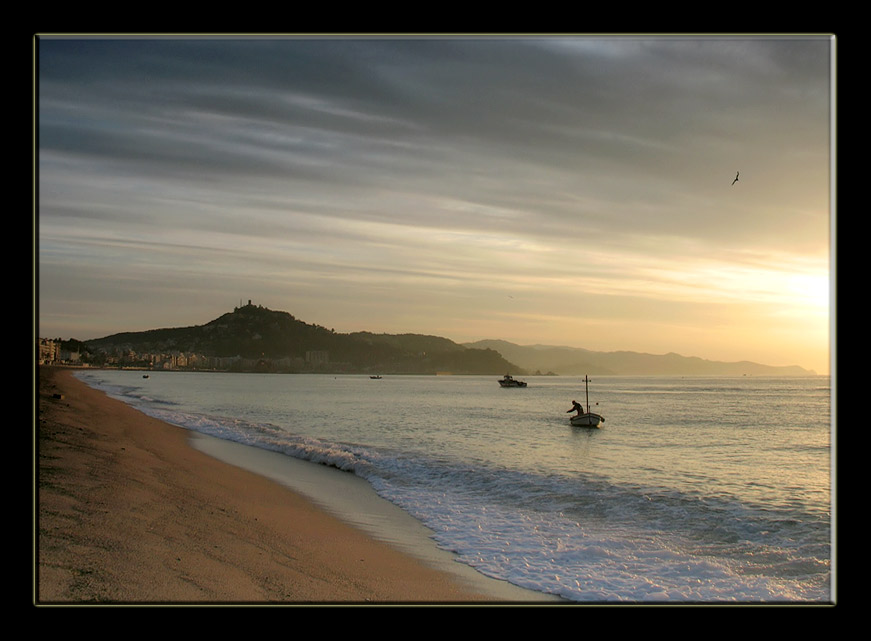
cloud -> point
(528, 162)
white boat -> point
(510, 381)
(587, 419)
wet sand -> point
(128, 512)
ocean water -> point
(694, 490)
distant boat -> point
(510, 381)
(588, 419)
(145, 376)
(377, 376)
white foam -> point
(353, 500)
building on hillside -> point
(48, 351)
(317, 357)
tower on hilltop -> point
(241, 305)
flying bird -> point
(736, 177)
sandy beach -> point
(128, 512)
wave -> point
(130, 394)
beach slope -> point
(128, 512)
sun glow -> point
(811, 291)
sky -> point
(556, 190)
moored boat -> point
(588, 418)
(510, 381)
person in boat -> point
(576, 407)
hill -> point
(256, 338)
(577, 361)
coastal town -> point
(71, 354)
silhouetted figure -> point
(576, 407)
(736, 177)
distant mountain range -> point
(576, 361)
(257, 338)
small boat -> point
(510, 381)
(145, 376)
(376, 377)
(588, 419)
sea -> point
(694, 490)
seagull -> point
(736, 177)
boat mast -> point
(587, 388)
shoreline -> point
(352, 500)
(129, 511)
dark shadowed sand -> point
(128, 512)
